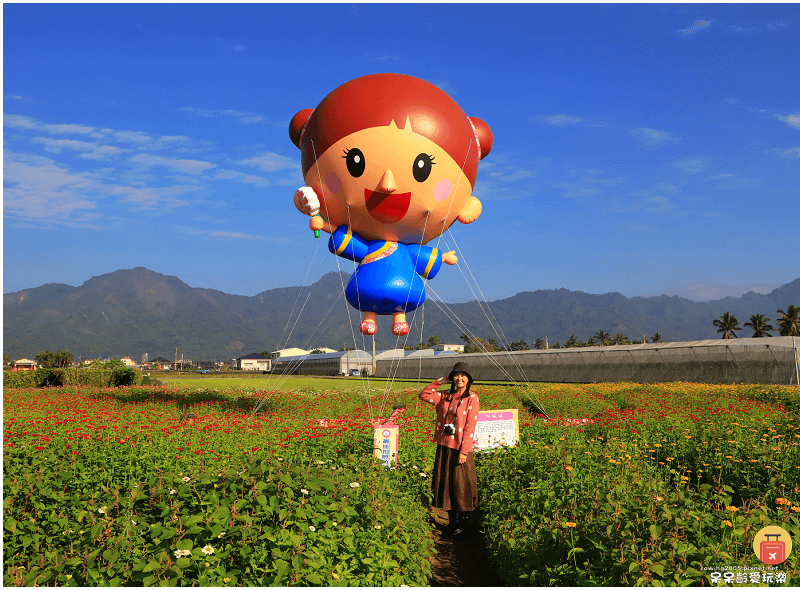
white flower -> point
(422, 475)
(173, 491)
(355, 484)
(182, 553)
(312, 529)
(101, 510)
(186, 478)
(222, 534)
(379, 527)
(305, 491)
(208, 550)
(320, 462)
(334, 523)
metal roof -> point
(357, 354)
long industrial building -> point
(739, 360)
(341, 363)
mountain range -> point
(135, 311)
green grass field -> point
(281, 382)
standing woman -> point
(454, 481)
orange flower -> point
(732, 508)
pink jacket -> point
(466, 417)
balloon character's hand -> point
(306, 201)
(450, 257)
(316, 223)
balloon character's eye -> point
(355, 162)
(422, 167)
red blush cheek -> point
(442, 190)
(333, 182)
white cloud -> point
(792, 152)
(385, 59)
(270, 162)
(563, 120)
(18, 121)
(37, 189)
(691, 165)
(256, 181)
(767, 27)
(695, 27)
(446, 86)
(154, 199)
(651, 139)
(244, 117)
(62, 128)
(188, 166)
(56, 145)
(227, 234)
(132, 136)
(791, 120)
(667, 187)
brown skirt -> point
(455, 487)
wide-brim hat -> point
(460, 368)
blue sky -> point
(637, 148)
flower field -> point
(160, 485)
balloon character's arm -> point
(306, 201)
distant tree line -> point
(788, 324)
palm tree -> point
(789, 324)
(727, 324)
(655, 338)
(760, 326)
(621, 339)
(602, 338)
(572, 342)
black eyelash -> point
(432, 159)
(346, 151)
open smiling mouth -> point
(387, 207)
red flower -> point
(39, 448)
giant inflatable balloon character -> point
(389, 161)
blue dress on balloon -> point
(387, 279)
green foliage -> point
(54, 360)
(164, 486)
(92, 376)
(88, 510)
(668, 481)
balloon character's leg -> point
(400, 327)
(368, 326)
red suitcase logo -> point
(772, 552)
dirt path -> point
(460, 562)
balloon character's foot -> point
(368, 327)
(400, 329)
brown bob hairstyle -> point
(378, 99)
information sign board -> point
(386, 443)
(496, 428)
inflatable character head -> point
(392, 157)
